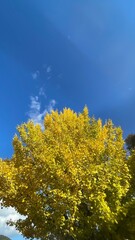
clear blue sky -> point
(66, 53)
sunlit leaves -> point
(68, 180)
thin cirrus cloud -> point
(48, 69)
(35, 75)
(35, 114)
(7, 214)
(42, 92)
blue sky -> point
(56, 54)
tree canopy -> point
(2, 237)
(130, 142)
(69, 180)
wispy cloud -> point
(7, 214)
(48, 69)
(42, 92)
(35, 75)
(35, 114)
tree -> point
(130, 142)
(2, 237)
(69, 180)
(126, 226)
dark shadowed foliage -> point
(130, 142)
(2, 237)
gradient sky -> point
(65, 53)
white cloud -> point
(42, 92)
(35, 113)
(48, 69)
(35, 75)
(51, 105)
(7, 214)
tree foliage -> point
(130, 142)
(2, 237)
(70, 180)
(126, 226)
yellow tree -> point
(125, 229)
(69, 179)
(127, 225)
